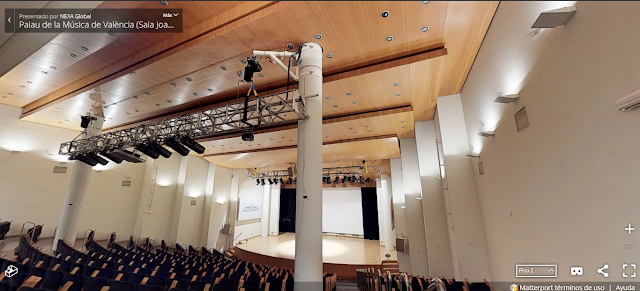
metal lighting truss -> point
(326, 172)
(262, 111)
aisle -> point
(346, 286)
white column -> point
(266, 197)
(274, 220)
(386, 212)
(68, 225)
(308, 259)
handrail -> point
(22, 230)
(84, 237)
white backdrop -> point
(342, 211)
(250, 208)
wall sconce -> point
(473, 155)
(403, 207)
(507, 98)
(418, 198)
(487, 133)
(554, 18)
(15, 152)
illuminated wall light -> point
(403, 207)
(507, 98)
(487, 133)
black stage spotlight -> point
(289, 181)
(127, 156)
(361, 180)
(160, 149)
(99, 159)
(348, 179)
(262, 182)
(87, 160)
(344, 178)
(192, 144)
(328, 180)
(275, 181)
(368, 180)
(353, 178)
(85, 120)
(111, 157)
(147, 150)
(252, 67)
(336, 180)
(281, 181)
(270, 182)
(258, 182)
(295, 181)
(247, 135)
(176, 146)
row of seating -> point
(4, 229)
(376, 280)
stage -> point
(335, 249)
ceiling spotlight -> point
(318, 36)
(396, 84)
(127, 155)
(85, 159)
(21, 86)
(148, 93)
(176, 146)
(73, 56)
(165, 3)
(243, 61)
(353, 178)
(390, 38)
(44, 72)
(385, 14)
(111, 33)
(328, 98)
(29, 82)
(223, 68)
(328, 180)
(337, 180)
(424, 29)
(361, 180)
(111, 157)
(349, 94)
(330, 56)
(425, 2)
(157, 104)
(355, 102)
(275, 181)
(398, 94)
(402, 206)
(210, 90)
(247, 135)
(52, 67)
(281, 181)
(289, 181)
(174, 84)
(195, 94)
(192, 144)
(270, 182)
(84, 48)
(262, 182)
(147, 150)
(348, 179)
(344, 179)
(335, 106)
(261, 75)
(189, 79)
(160, 149)
(168, 101)
(258, 182)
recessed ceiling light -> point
(132, 74)
(147, 93)
(243, 61)
(390, 38)
(84, 48)
(168, 101)
(261, 75)
(385, 14)
(44, 72)
(330, 56)
(21, 86)
(396, 84)
(210, 90)
(135, 96)
(369, 130)
(326, 136)
(223, 68)
(66, 120)
(137, 110)
(174, 84)
(189, 79)
(350, 128)
(29, 82)
(425, 2)
(398, 94)
(52, 67)
(328, 98)
(335, 106)
(157, 104)
(9, 93)
(127, 113)
(349, 94)
(401, 121)
(424, 29)
(165, 3)
(111, 33)
(403, 126)
(73, 55)
(318, 36)
(195, 94)
(355, 102)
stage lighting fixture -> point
(295, 181)
(258, 182)
(361, 180)
(247, 135)
(85, 120)
(289, 181)
(275, 181)
(262, 182)
(344, 178)
(147, 150)
(192, 144)
(127, 156)
(111, 157)
(252, 67)
(160, 149)
(328, 180)
(99, 159)
(368, 180)
(336, 180)
(353, 178)
(176, 146)
(87, 160)
(270, 182)
(281, 181)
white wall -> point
(342, 211)
(218, 217)
(435, 220)
(400, 221)
(564, 189)
(274, 220)
(29, 190)
(381, 224)
(247, 187)
(190, 225)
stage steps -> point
(391, 266)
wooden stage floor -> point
(335, 249)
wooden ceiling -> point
(141, 77)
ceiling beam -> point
(326, 120)
(295, 146)
(236, 17)
(431, 52)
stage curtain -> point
(370, 213)
(288, 210)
